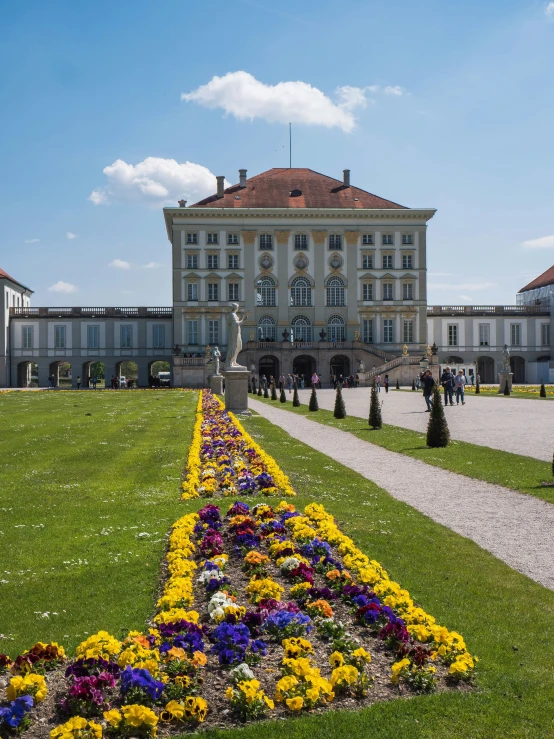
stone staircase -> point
(366, 378)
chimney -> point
(182, 203)
(346, 177)
(220, 186)
(242, 178)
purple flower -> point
(239, 509)
(138, 678)
(13, 715)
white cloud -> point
(32, 241)
(71, 235)
(545, 242)
(119, 264)
(549, 10)
(467, 286)
(394, 90)
(154, 180)
(152, 265)
(351, 98)
(63, 287)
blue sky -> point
(439, 104)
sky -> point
(109, 111)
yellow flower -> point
(77, 727)
(229, 694)
(113, 717)
(175, 710)
(336, 659)
(295, 704)
(138, 716)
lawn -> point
(524, 474)
(518, 391)
(89, 486)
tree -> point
(506, 387)
(295, 398)
(97, 370)
(375, 418)
(340, 410)
(413, 384)
(283, 397)
(438, 434)
(397, 384)
(273, 391)
(314, 405)
(543, 391)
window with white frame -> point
(300, 241)
(266, 291)
(266, 241)
(59, 337)
(233, 291)
(301, 329)
(192, 261)
(232, 238)
(408, 331)
(387, 239)
(452, 334)
(367, 291)
(407, 239)
(336, 329)
(213, 261)
(192, 238)
(126, 333)
(367, 330)
(233, 261)
(407, 261)
(335, 292)
(213, 238)
(367, 261)
(388, 291)
(388, 331)
(213, 291)
(545, 334)
(93, 337)
(407, 291)
(300, 291)
(266, 329)
(335, 242)
(192, 329)
(159, 336)
(515, 334)
(484, 334)
(192, 291)
(27, 337)
(387, 261)
(213, 332)
(367, 238)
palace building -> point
(334, 281)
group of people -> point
(384, 382)
(349, 381)
(452, 384)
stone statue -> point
(429, 351)
(234, 342)
(405, 350)
(322, 335)
(217, 356)
(506, 367)
(208, 351)
(361, 365)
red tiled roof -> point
(547, 278)
(275, 189)
(6, 276)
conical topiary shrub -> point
(506, 388)
(283, 397)
(273, 391)
(397, 384)
(266, 391)
(543, 391)
(438, 434)
(413, 384)
(340, 410)
(477, 388)
(375, 418)
(313, 405)
(295, 398)
(260, 393)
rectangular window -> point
(388, 331)
(159, 336)
(335, 242)
(193, 332)
(300, 241)
(484, 334)
(213, 291)
(232, 238)
(367, 239)
(452, 334)
(407, 291)
(408, 332)
(387, 291)
(233, 261)
(386, 239)
(515, 333)
(192, 238)
(368, 330)
(407, 239)
(213, 238)
(27, 337)
(387, 261)
(407, 261)
(545, 334)
(192, 291)
(266, 241)
(367, 261)
(213, 332)
(59, 337)
(126, 337)
(213, 261)
(233, 291)
(192, 261)
(367, 291)
(93, 337)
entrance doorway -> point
(269, 366)
(518, 368)
(340, 365)
(127, 374)
(485, 370)
(27, 374)
(304, 365)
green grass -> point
(82, 475)
(530, 392)
(507, 619)
(524, 474)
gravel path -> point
(516, 528)
(516, 425)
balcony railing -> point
(452, 310)
(92, 312)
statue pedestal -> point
(505, 377)
(216, 384)
(236, 390)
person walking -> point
(78, 382)
(447, 381)
(460, 383)
(428, 383)
(315, 380)
(301, 382)
(281, 381)
(378, 383)
(289, 383)
(386, 383)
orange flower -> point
(199, 659)
(332, 575)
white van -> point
(122, 381)
(164, 378)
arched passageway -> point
(340, 365)
(304, 366)
(485, 370)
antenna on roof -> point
(290, 145)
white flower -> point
(208, 575)
(241, 672)
(290, 563)
(218, 600)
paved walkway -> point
(516, 528)
(516, 425)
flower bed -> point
(264, 612)
(224, 460)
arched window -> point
(266, 329)
(335, 291)
(301, 329)
(266, 291)
(335, 328)
(301, 291)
